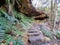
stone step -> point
(35, 38)
(34, 28)
(35, 33)
(32, 31)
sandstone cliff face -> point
(28, 9)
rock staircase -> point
(35, 36)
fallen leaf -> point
(47, 39)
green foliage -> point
(8, 24)
(47, 32)
(23, 20)
(8, 28)
(7, 1)
(17, 41)
(57, 33)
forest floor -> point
(36, 37)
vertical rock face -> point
(28, 8)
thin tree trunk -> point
(53, 16)
(53, 13)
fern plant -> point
(24, 20)
(10, 28)
(6, 25)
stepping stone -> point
(32, 31)
(35, 36)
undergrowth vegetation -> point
(13, 23)
(11, 26)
